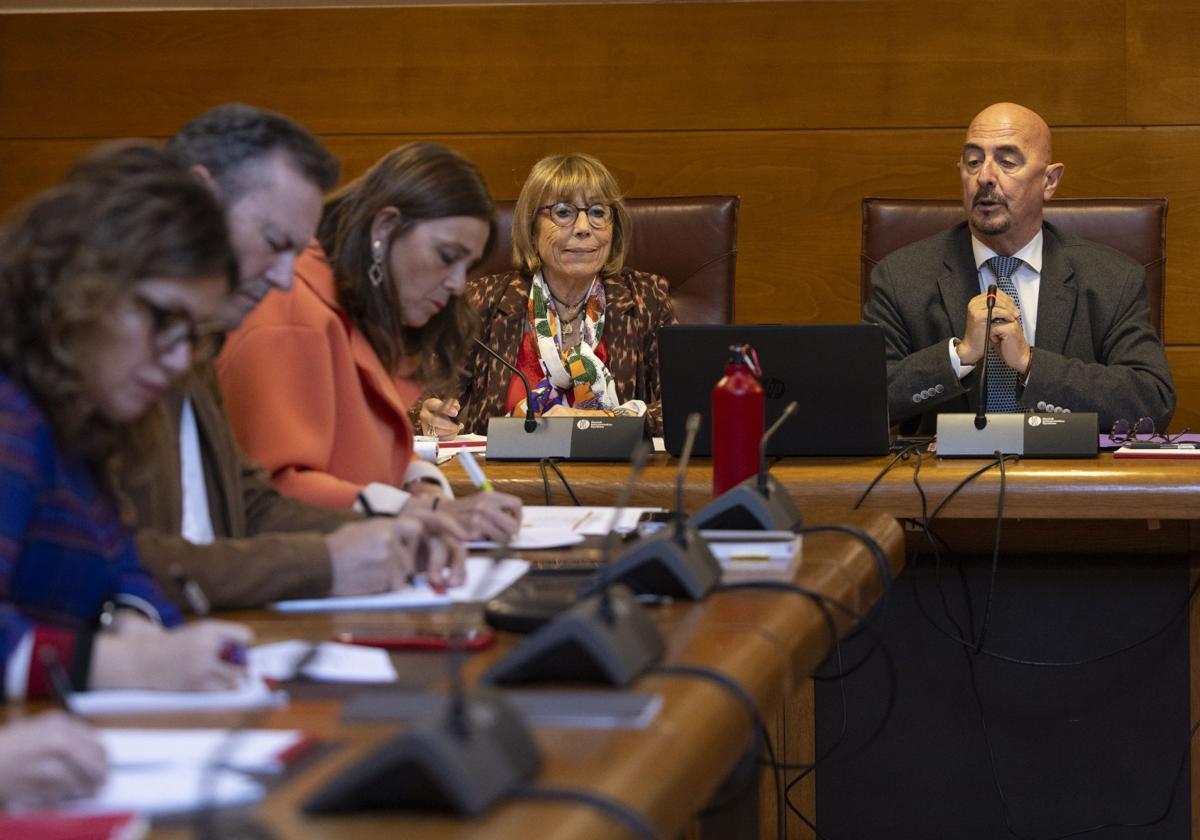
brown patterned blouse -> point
(637, 305)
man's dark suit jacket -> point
(1094, 349)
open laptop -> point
(836, 372)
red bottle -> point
(738, 411)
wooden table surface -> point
(1094, 488)
(1063, 506)
(768, 641)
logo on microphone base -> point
(583, 425)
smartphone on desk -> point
(472, 639)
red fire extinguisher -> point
(738, 412)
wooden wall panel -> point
(1163, 75)
(801, 191)
(542, 68)
(801, 108)
(1185, 368)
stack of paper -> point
(755, 555)
(252, 694)
(324, 662)
(485, 580)
(172, 771)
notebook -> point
(836, 372)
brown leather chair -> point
(689, 240)
(1135, 226)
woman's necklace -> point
(570, 311)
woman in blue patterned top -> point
(106, 283)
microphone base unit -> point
(1032, 435)
(667, 564)
(584, 645)
(435, 767)
(571, 438)
(744, 507)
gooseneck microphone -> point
(981, 409)
(605, 578)
(530, 420)
(461, 754)
(760, 502)
(607, 636)
(676, 562)
(691, 428)
(791, 409)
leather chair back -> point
(689, 240)
(1137, 227)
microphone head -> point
(991, 294)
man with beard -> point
(212, 527)
(1071, 328)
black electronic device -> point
(837, 372)
(760, 503)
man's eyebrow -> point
(1010, 149)
(1005, 149)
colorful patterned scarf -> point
(575, 369)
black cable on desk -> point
(552, 463)
(961, 635)
(611, 808)
(903, 455)
(880, 644)
(1006, 809)
(759, 725)
(975, 647)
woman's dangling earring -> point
(375, 272)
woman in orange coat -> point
(318, 381)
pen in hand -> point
(232, 653)
(475, 472)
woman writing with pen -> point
(319, 381)
(106, 284)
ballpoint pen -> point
(232, 652)
(475, 472)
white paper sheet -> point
(163, 790)
(332, 662)
(248, 750)
(253, 694)
(480, 570)
(583, 520)
(532, 539)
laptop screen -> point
(836, 373)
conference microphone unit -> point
(981, 411)
(760, 503)
(607, 637)
(570, 438)
(677, 561)
(1031, 435)
(460, 755)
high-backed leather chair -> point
(1136, 227)
(689, 240)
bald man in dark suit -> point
(1071, 327)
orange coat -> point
(309, 399)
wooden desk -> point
(1098, 488)
(769, 642)
(1148, 511)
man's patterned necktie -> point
(1001, 379)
